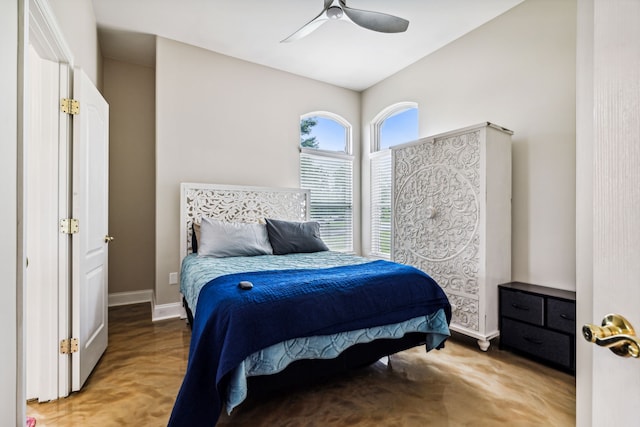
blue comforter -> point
(232, 323)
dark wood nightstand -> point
(539, 322)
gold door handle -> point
(616, 333)
(108, 239)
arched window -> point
(395, 125)
(326, 169)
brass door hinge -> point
(68, 346)
(69, 106)
(69, 226)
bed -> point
(307, 312)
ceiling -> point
(339, 52)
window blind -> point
(329, 178)
(381, 204)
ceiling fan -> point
(338, 10)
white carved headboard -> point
(233, 203)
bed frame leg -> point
(386, 361)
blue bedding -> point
(197, 270)
(231, 323)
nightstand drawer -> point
(561, 315)
(552, 346)
(522, 306)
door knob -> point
(616, 333)
(108, 239)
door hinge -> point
(70, 106)
(69, 226)
(68, 346)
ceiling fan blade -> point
(305, 30)
(375, 21)
(310, 26)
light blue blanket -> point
(277, 357)
(197, 271)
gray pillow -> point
(225, 239)
(294, 237)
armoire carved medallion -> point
(452, 219)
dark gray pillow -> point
(288, 237)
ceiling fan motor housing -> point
(335, 12)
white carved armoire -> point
(452, 219)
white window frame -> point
(375, 154)
(333, 116)
(338, 155)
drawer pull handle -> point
(520, 307)
(533, 340)
(565, 317)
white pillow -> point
(225, 239)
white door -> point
(89, 318)
(609, 77)
(42, 235)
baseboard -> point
(126, 298)
(173, 310)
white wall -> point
(11, 408)
(78, 23)
(517, 71)
(227, 121)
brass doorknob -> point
(108, 239)
(616, 333)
